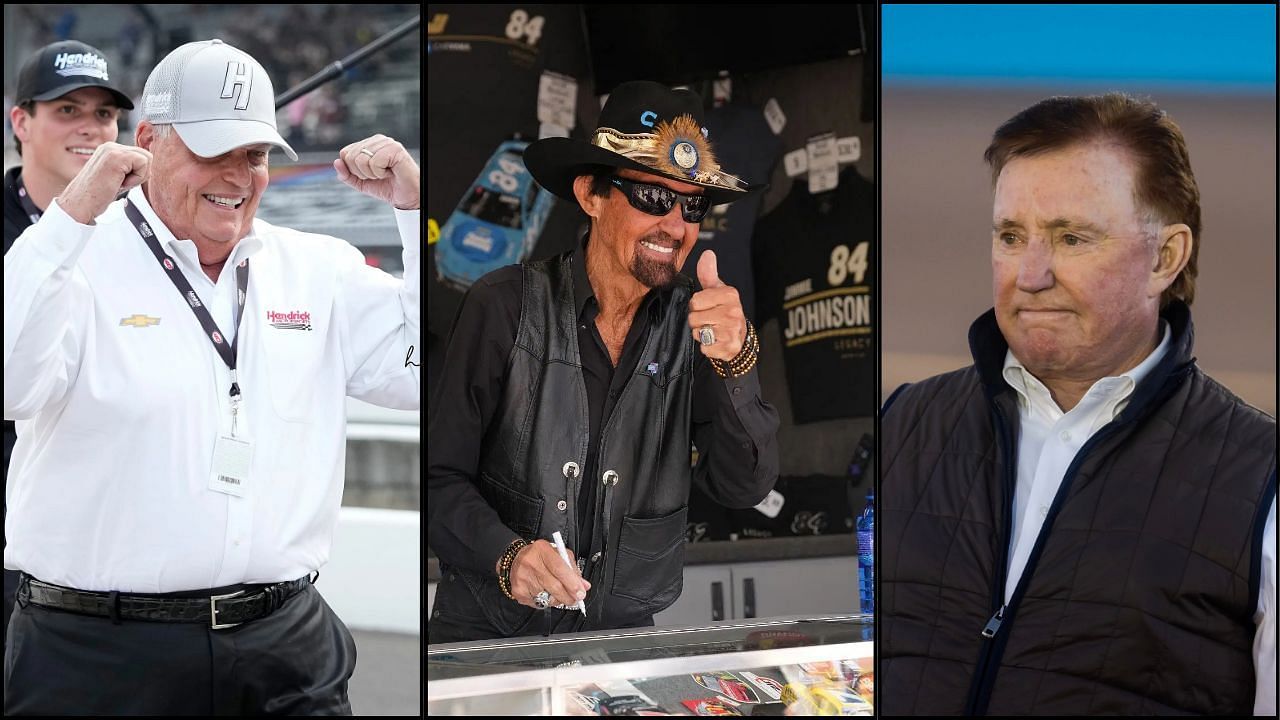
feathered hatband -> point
(677, 149)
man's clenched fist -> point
(380, 167)
(111, 169)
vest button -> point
(610, 478)
(562, 506)
(595, 557)
(570, 470)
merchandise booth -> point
(775, 614)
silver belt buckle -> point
(213, 610)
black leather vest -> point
(1139, 594)
(534, 450)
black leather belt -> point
(217, 611)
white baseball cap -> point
(216, 96)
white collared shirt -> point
(119, 396)
(1048, 441)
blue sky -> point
(1230, 46)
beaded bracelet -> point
(744, 361)
(506, 561)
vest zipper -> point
(993, 625)
(988, 658)
(993, 651)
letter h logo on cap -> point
(238, 75)
(189, 89)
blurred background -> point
(952, 74)
(373, 579)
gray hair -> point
(161, 131)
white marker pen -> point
(564, 555)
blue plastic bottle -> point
(866, 556)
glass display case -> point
(789, 665)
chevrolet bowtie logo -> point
(139, 321)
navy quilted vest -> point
(1139, 594)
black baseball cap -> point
(59, 68)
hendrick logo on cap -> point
(238, 83)
(157, 104)
(87, 64)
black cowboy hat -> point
(644, 126)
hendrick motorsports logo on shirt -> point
(292, 320)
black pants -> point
(10, 576)
(296, 661)
(10, 587)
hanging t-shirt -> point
(815, 262)
(484, 72)
(746, 147)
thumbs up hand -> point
(708, 271)
(717, 307)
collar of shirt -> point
(583, 292)
(1107, 397)
(1049, 440)
(185, 250)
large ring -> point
(542, 599)
(366, 151)
(706, 335)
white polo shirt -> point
(120, 395)
(1047, 443)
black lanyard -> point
(225, 348)
(28, 206)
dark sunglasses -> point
(658, 200)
